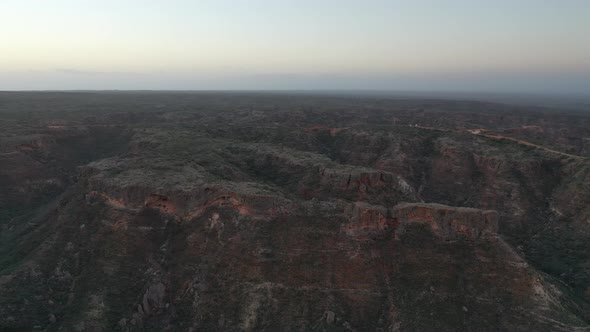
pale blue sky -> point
(524, 45)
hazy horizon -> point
(425, 45)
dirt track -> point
(482, 132)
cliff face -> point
(286, 217)
(447, 222)
(313, 268)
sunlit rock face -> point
(251, 212)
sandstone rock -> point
(161, 203)
(446, 221)
(367, 219)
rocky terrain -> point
(266, 212)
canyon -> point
(162, 211)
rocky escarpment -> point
(312, 174)
(447, 222)
(368, 220)
(396, 263)
(182, 193)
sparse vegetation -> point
(218, 211)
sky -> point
(539, 46)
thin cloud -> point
(72, 71)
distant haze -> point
(528, 46)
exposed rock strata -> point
(447, 222)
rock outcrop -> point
(445, 221)
(368, 220)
